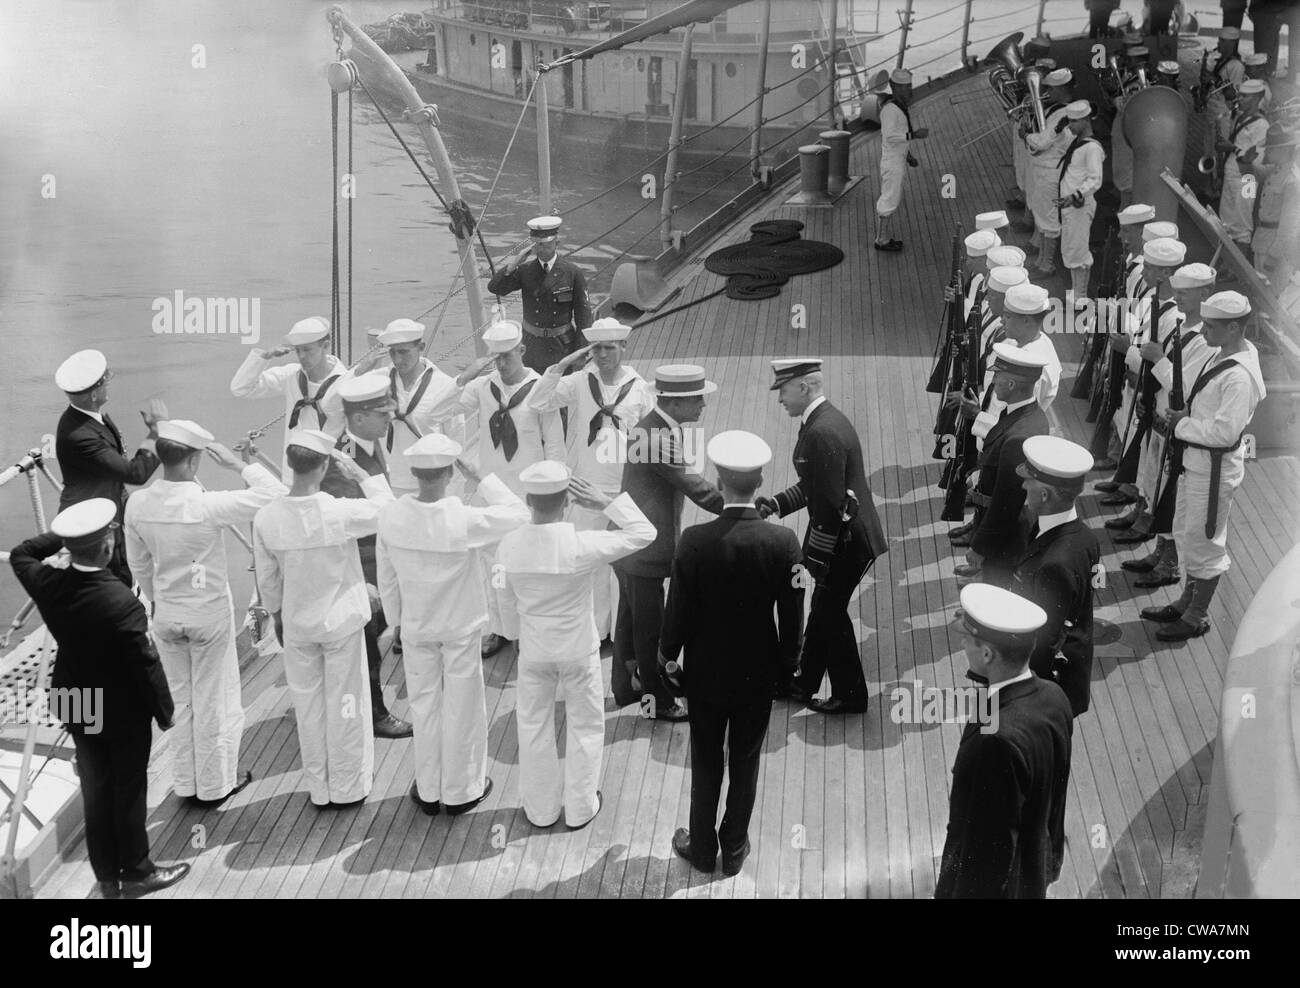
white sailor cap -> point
(373, 332)
(1005, 256)
(1255, 58)
(1230, 34)
(402, 331)
(999, 616)
(739, 451)
(308, 330)
(1020, 363)
(1139, 212)
(1159, 229)
(1004, 278)
(979, 242)
(1055, 461)
(793, 367)
(682, 381)
(544, 227)
(1195, 275)
(1080, 109)
(545, 477)
(81, 372)
(366, 391)
(1164, 251)
(1027, 300)
(1168, 68)
(1121, 19)
(433, 452)
(186, 433)
(606, 330)
(1251, 87)
(1058, 77)
(1225, 305)
(312, 439)
(83, 524)
(995, 220)
(900, 77)
(503, 336)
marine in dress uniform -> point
(309, 573)
(1079, 178)
(1057, 568)
(607, 398)
(1046, 149)
(175, 544)
(1220, 405)
(1242, 175)
(1006, 810)
(730, 577)
(1227, 72)
(89, 447)
(547, 568)
(308, 385)
(896, 134)
(554, 293)
(103, 644)
(843, 538)
(430, 577)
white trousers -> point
(202, 669)
(604, 583)
(577, 683)
(892, 168)
(1153, 452)
(1046, 187)
(1075, 227)
(444, 683)
(330, 686)
(1203, 558)
(1236, 208)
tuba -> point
(1034, 83)
(1007, 67)
(1155, 126)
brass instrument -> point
(1141, 78)
(1008, 67)
(1155, 126)
(1034, 83)
(1113, 62)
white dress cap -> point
(606, 330)
(1005, 256)
(433, 452)
(1164, 251)
(546, 477)
(1028, 300)
(364, 387)
(1254, 58)
(1015, 360)
(1058, 77)
(186, 433)
(544, 227)
(1168, 68)
(402, 331)
(1003, 279)
(1139, 212)
(1225, 305)
(503, 336)
(84, 519)
(308, 330)
(1054, 460)
(995, 220)
(999, 614)
(312, 439)
(740, 451)
(979, 242)
(1194, 275)
(1080, 109)
(81, 372)
(1159, 229)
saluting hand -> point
(157, 413)
(588, 495)
(225, 457)
(469, 472)
(576, 358)
(349, 468)
(279, 351)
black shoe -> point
(344, 806)
(1163, 614)
(600, 803)
(1144, 565)
(1106, 486)
(160, 879)
(790, 691)
(1134, 535)
(959, 541)
(889, 245)
(966, 569)
(1122, 522)
(834, 705)
(460, 808)
(961, 530)
(389, 726)
(1181, 631)
(675, 712)
(1119, 497)
(243, 782)
(732, 863)
(1158, 578)
(430, 809)
(105, 890)
(682, 845)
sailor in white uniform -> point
(547, 603)
(430, 579)
(309, 385)
(176, 550)
(1243, 179)
(1000, 281)
(896, 134)
(1046, 149)
(309, 574)
(1080, 178)
(977, 245)
(1227, 73)
(605, 401)
(1024, 313)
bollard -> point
(814, 163)
(837, 179)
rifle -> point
(1101, 386)
(1145, 395)
(946, 422)
(966, 454)
(1091, 352)
(951, 320)
(1201, 93)
(1171, 463)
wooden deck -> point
(852, 806)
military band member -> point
(309, 385)
(430, 577)
(735, 606)
(1242, 175)
(1058, 566)
(175, 544)
(546, 602)
(309, 573)
(896, 134)
(554, 293)
(1006, 811)
(1227, 72)
(657, 477)
(1080, 177)
(1220, 405)
(1023, 195)
(1256, 65)
(843, 538)
(1276, 244)
(1046, 149)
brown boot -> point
(1194, 622)
(1165, 572)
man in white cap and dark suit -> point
(89, 447)
(843, 538)
(546, 603)
(554, 293)
(1243, 175)
(896, 133)
(430, 577)
(1080, 177)
(309, 574)
(1006, 810)
(735, 607)
(105, 655)
(607, 398)
(1046, 149)
(308, 385)
(1220, 405)
(175, 543)
(659, 477)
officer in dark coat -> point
(729, 576)
(1057, 569)
(1006, 812)
(109, 686)
(843, 538)
(89, 446)
(368, 408)
(999, 540)
(554, 293)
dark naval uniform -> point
(1001, 535)
(555, 307)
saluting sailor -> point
(1046, 149)
(430, 577)
(1080, 178)
(546, 603)
(1242, 172)
(1220, 405)
(554, 293)
(176, 546)
(896, 133)
(309, 573)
